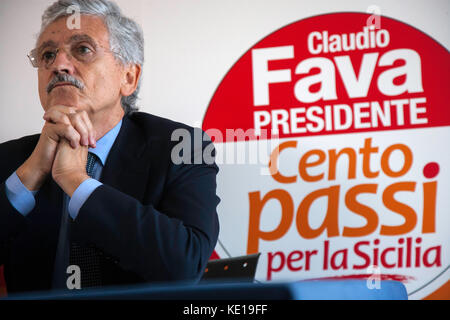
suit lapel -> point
(127, 167)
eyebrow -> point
(74, 38)
(49, 43)
(81, 38)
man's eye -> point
(83, 50)
(48, 56)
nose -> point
(62, 63)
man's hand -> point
(69, 167)
(62, 123)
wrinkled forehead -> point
(62, 31)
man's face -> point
(101, 76)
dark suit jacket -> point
(152, 220)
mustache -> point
(64, 78)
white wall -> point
(190, 45)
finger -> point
(92, 133)
(50, 131)
(68, 132)
(57, 115)
(80, 125)
(63, 109)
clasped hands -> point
(61, 150)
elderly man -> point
(97, 194)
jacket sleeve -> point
(11, 222)
(171, 242)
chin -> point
(69, 99)
(61, 103)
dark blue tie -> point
(87, 258)
(90, 164)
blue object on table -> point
(349, 290)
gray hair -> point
(126, 38)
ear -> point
(130, 79)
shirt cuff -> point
(19, 196)
(80, 196)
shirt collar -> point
(105, 144)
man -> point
(98, 192)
